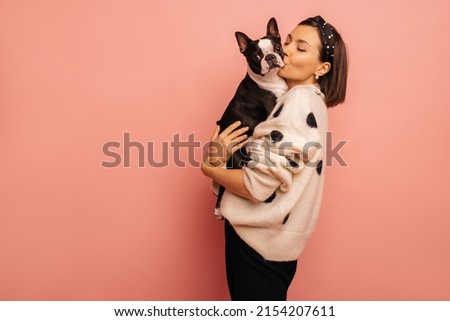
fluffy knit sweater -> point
(286, 175)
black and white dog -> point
(257, 93)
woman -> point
(271, 206)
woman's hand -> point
(220, 150)
(222, 146)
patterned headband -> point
(326, 33)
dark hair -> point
(334, 83)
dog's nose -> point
(271, 58)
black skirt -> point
(252, 278)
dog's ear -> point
(272, 28)
(243, 40)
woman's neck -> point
(294, 82)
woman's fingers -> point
(231, 130)
(223, 145)
(238, 146)
(230, 133)
(235, 144)
(237, 133)
(216, 133)
(239, 139)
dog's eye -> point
(277, 48)
(257, 57)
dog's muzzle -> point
(273, 62)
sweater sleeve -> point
(283, 145)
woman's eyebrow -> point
(303, 41)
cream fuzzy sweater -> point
(286, 174)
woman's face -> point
(301, 58)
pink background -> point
(77, 74)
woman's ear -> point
(323, 68)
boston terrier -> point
(257, 93)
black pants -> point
(252, 278)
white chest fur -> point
(271, 82)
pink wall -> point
(77, 74)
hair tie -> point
(326, 33)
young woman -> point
(271, 206)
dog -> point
(257, 93)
